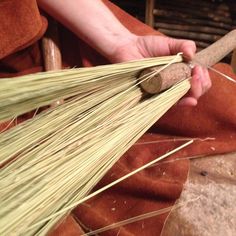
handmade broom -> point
(72, 146)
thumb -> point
(187, 47)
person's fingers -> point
(196, 82)
(195, 91)
(206, 82)
(188, 47)
(200, 83)
(187, 101)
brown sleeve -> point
(21, 25)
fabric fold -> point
(21, 25)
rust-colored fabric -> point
(68, 226)
(157, 187)
(21, 25)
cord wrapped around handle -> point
(179, 71)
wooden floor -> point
(211, 195)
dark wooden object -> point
(149, 18)
(51, 50)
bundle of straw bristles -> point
(51, 162)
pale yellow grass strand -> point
(33, 91)
(113, 183)
(139, 217)
(222, 74)
(177, 139)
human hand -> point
(105, 33)
(139, 47)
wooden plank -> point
(51, 51)
(50, 45)
(233, 61)
(149, 18)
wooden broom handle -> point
(179, 71)
(51, 50)
(50, 45)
